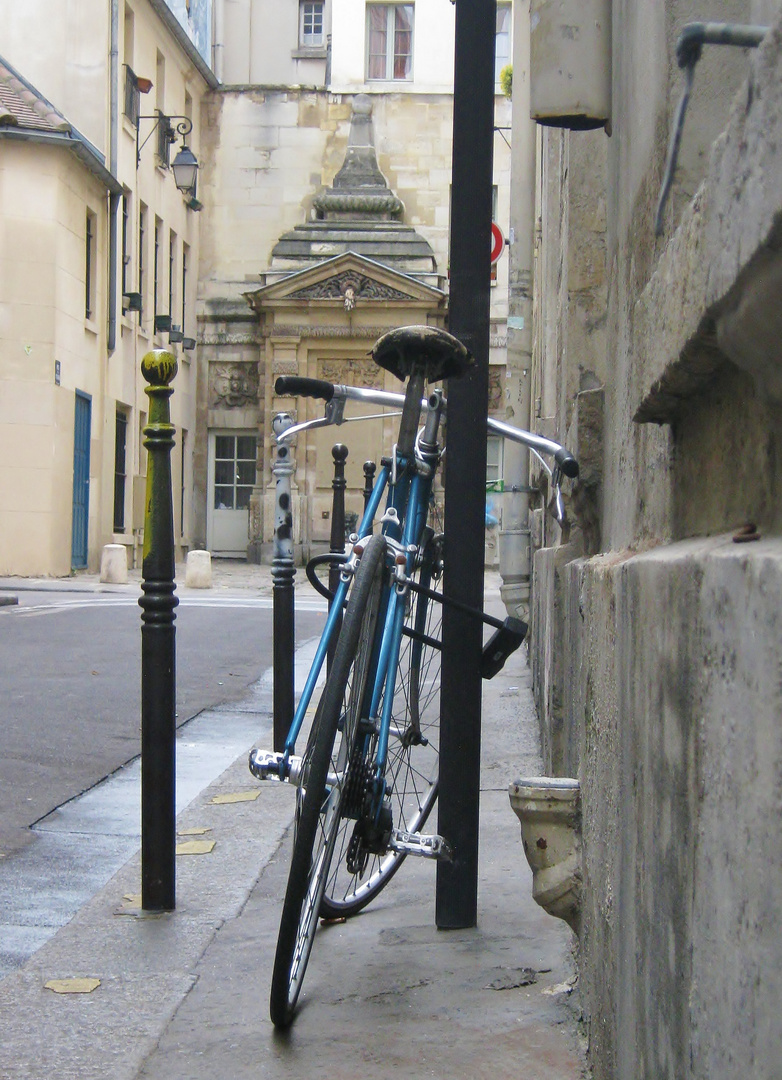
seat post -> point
(411, 410)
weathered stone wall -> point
(656, 652)
(676, 683)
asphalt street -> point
(70, 684)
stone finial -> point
(159, 367)
(360, 190)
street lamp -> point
(185, 164)
(185, 170)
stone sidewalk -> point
(185, 996)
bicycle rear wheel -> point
(324, 772)
(413, 751)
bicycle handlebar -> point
(293, 385)
(297, 386)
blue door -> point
(81, 480)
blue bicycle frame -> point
(409, 497)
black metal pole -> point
(370, 468)
(339, 453)
(158, 647)
(456, 904)
(283, 573)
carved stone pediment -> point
(349, 286)
(349, 279)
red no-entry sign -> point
(497, 242)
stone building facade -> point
(656, 628)
(96, 245)
(278, 133)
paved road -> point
(70, 685)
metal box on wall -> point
(570, 63)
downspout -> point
(218, 36)
(515, 557)
(113, 198)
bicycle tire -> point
(411, 770)
(329, 749)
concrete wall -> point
(656, 651)
(63, 50)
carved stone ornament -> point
(372, 333)
(357, 285)
(351, 372)
(281, 366)
(496, 388)
(233, 386)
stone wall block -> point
(674, 681)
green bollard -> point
(158, 646)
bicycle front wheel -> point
(413, 760)
(324, 772)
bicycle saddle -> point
(441, 354)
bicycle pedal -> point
(500, 645)
(428, 845)
(272, 765)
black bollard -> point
(370, 468)
(283, 573)
(337, 544)
(158, 646)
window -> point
(234, 471)
(132, 107)
(171, 272)
(185, 268)
(120, 446)
(182, 475)
(165, 136)
(132, 100)
(142, 240)
(125, 241)
(130, 34)
(502, 39)
(494, 463)
(311, 23)
(156, 269)
(89, 265)
(389, 41)
(164, 125)
(160, 83)
(142, 450)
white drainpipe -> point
(113, 199)
(515, 560)
(218, 38)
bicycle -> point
(367, 779)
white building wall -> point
(45, 193)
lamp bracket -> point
(183, 129)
